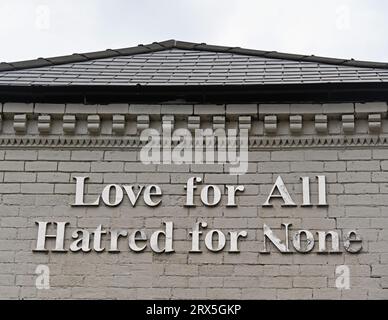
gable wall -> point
(39, 156)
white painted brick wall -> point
(36, 184)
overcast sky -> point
(338, 28)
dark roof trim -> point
(170, 44)
(290, 93)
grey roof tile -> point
(177, 66)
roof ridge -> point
(171, 44)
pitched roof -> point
(176, 63)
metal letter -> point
(309, 241)
(154, 241)
(205, 195)
(59, 237)
(275, 240)
(118, 195)
(190, 187)
(131, 195)
(220, 243)
(148, 194)
(322, 191)
(97, 238)
(306, 191)
(79, 193)
(234, 235)
(133, 238)
(348, 242)
(114, 235)
(84, 240)
(322, 236)
(279, 185)
(232, 195)
(195, 236)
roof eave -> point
(169, 44)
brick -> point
(380, 270)
(270, 167)
(334, 166)
(363, 165)
(40, 166)
(13, 222)
(326, 293)
(309, 282)
(53, 177)
(53, 155)
(128, 178)
(188, 293)
(344, 177)
(37, 188)
(292, 294)
(87, 155)
(287, 155)
(321, 155)
(360, 211)
(21, 155)
(10, 188)
(139, 167)
(380, 154)
(173, 168)
(11, 165)
(120, 156)
(220, 179)
(207, 168)
(355, 155)
(379, 176)
(384, 165)
(258, 294)
(255, 178)
(19, 177)
(74, 166)
(7, 292)
(153, 177)
(306, 166)
(224, 293)
(207, 282)
(361, 188)
(259, 156)
(182, 270)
